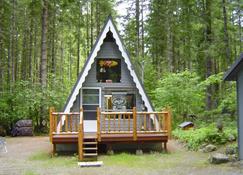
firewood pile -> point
(23, 128)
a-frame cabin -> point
(108, 103)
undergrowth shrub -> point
(194, 138)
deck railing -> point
(61, 122)
(133, 122)
(64, 123)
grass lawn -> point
(31, 156)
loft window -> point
(108, 70)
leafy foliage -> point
(25, 100)
(181, 91)
(208, 134)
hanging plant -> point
(108, 63)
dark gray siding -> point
(240, 112)
(110, 50)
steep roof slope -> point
(109, 26)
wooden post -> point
(98, 124)
(71, 123)
(169, 123)
(129, 117)
(144, 122)
(55, 123)
(134, 112)
(80, 136)
(51, 122)
(119, 122)
(80, 141)
(66, 123)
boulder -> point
(218, 158)
(209, 148)
(230, 150)
(233, 158)
(231, 138)
(139, 152)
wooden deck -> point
(112, 137)
(112, 127)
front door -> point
(91, 99)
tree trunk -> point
(91, 24)
(13, 42)
(43, 61)
(226, 36)
(137, 29)
(239, 23)
(78, 42)
(97, 17)
(142, 29)
(30, 50)
(209, 62)
(24, 51)
(87, 28)
(53, 52)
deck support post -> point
(165, 146)
(54, 148)
(52, 109)
(110, 150)
(134, 112)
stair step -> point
(90, 137)
(90, 143)
(90, 154)
(90, 148)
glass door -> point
(90, 102)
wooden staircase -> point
(90, 148)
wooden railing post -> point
(51, 122)
(98, 124)
(169, 123)
(134, 123)
(80, 136)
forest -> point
(183, 48)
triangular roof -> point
(231, 74)
(109, 26)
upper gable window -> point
(108, 70)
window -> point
(119, 101)
(108, 70)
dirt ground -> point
(31, 156)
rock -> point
(203, 145)
(110, 152)
(231, 138)
(139, 152)
(233, 158)
(209, 148)
(218, 158)
(230, 150)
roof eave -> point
(231, 74)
